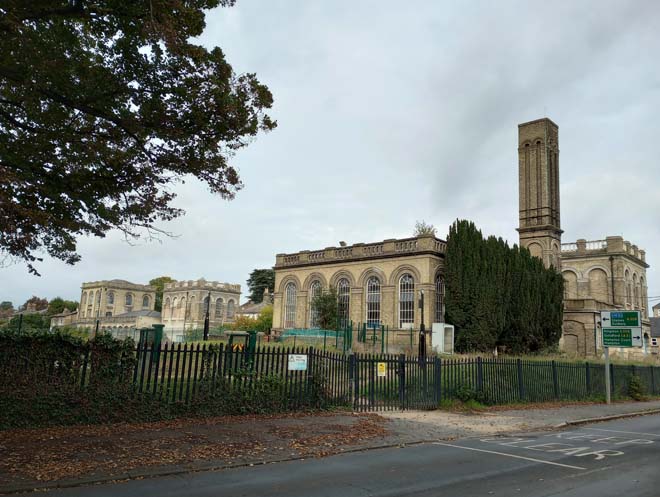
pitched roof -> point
(656, 306)
(251, 308)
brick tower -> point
(538, 194)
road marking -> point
(621, 431)
(510, 455)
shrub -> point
(636, 388)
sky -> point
(392, 112)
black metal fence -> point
(379, 381)
(185, 373)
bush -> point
(636, 388)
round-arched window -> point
(406, 300)
(314, 292)
(343, 302)
(373, 302)
(290, 296)
(439, 299)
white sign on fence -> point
(297, 362)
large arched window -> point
(373, 302)
(166, 305)
(110, 297)
(406, 301)
(230, 309)
(343, 302)
(128, 300)
(628, 288)
(290, 305)
(314, 291)
(145, 302)
(635, 292)
(219, 308)
(439, 299)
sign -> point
(297, 362)
(237, 347)
(382, 369)
(621, 328)
(622, 337)
(624, 319)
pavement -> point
(429, 453)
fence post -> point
(555, 380)
(652, 380)
(437, 377)
(480, 375)
(521, 387)
(612, 366)
(402, 380)
(351, 379)
(588, 377)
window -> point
(373, 302)
(439, 299)
(145, 301)
(406, 300)
(83, 302)
(230, 309)
(314, 291)
(129, 300)
(167, 303)
(111, 298)
(290, 305)
(108, 314)
(219, 311)
(343, 302)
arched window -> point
(439, 299)
(628, 287)
(110, 298)
(343, 302)
(145, 302)
(373, 302)
(98, 297)
(83, 302)
(290, 296)
(128, 300)
(219, 308)
(230, 309)
(207, 301)
(314, 291)
(406, 300)
(167, 303)
(635, 292)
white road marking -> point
(510, 455)
(622, 431)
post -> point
(422, 330)
(608, 395)
(402, 381)
(588, 378)
(480, 375)
(207, 318)
(521, 386)
(555, 379)
(20, 322)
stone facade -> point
(113, 297)
(184, 304)
(64, 318)
(599, 275)
(375, 282)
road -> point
(619, 458)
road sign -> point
(622, 337)
(382, 369)
(297, 362)
(623, 319)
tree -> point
(159, 283)
(422, 228)
(104, 106)
(498, 296)
(58, 304)
(258, 281)
(39, 303)
(28, 323)
(325, 306)
(6, 309)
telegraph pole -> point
(206, 317)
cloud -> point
(390, 113)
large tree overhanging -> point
(104, 104)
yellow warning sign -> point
(382, 369)
(237, 347)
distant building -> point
(64, 318)
(252, 310)
(185, 304)
(656, 310)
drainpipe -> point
(612, 278)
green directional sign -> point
(624, 318)
(617, 337)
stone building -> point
(185, 304)
(380, 282)
(64, 318)
(599, 275)
(119, 306)
(656, 310)
(113, 297)
(377, 283)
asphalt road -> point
(619, 458)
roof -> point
(143, 312)
(655, 327)
(251, 308)
(656, 306)
(64, 313)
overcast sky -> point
(393, 112)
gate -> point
(391, 382)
